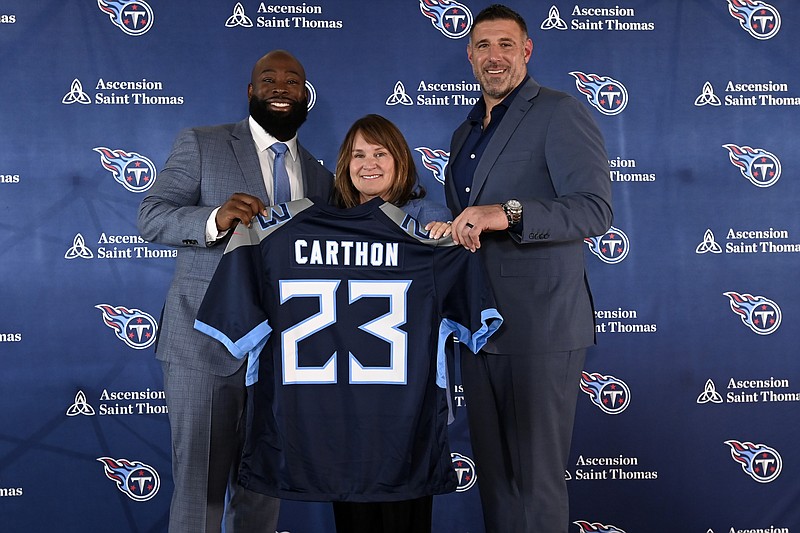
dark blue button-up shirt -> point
(464, 165)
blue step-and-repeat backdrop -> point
(688, 413)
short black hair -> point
(500, 12)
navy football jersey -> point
(344, 315)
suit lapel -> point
(508, 125)
(245, 151)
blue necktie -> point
(281, 192)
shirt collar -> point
(478, 111)
(264, 140)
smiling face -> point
(498, 51)
(374, 160)
(277, 94)
(371, 169)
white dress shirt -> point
(266, 159)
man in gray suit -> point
(528, 180)
(214, 178)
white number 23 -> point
(384, 327)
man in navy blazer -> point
(215, 177)
(528, 180)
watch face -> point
(514, 206)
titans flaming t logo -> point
(758, 313)
(760, 167)
(757, 18)
(138, 481)
(451, 18)
(133, 171)
(435, 161)
(134, 17)
(611, 247)
(610, 394)
(135, 328)
(596, 527)
(606, 94)
(759, 461)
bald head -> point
(278, 60)
(277, 94)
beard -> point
(281, 125)
(497, 89)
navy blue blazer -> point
(548, 153)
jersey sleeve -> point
(466, 301)
(232, 310)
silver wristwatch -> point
(513, 211)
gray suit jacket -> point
(206, 166)
(548, 153)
